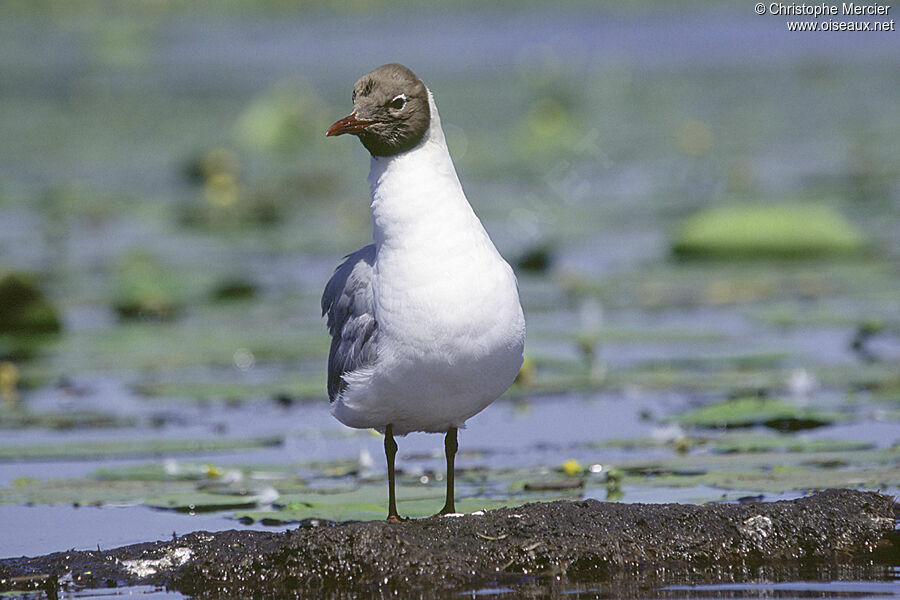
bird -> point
(426, 324)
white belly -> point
(451, 337)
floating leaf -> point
(746, 412)
(774, 230)
(168, 471)
(734, 443)
(298, 513)
(282, 119)
(144, 288)
(234, 288)
(782, 478)
(20, 417)
(769, 471)
(558, 485)
(130, 448)
(203, 501)
(24, 309)
(292, 387)
(376, 494)
(81, 492)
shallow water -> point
(103, 117)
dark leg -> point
(390, 452)
(450, 447)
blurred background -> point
(701, 206)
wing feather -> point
(348, 301)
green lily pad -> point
(765, 231)
(129, 448)
(714, 362)
(24, 309)
(144, 288)
(84, 492)
(170, 471)
(736, 442)
(281, 119)
(769, 471)
(781, 443)
(299, 513)
(783, 478)
(20, 417)
(875, 377)
(293, 387)
(166, 345)
(746, 412)
(234, 288)
(720, 379)
(202, 501)
(376, 494)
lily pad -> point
(769, 471)
(145, 289)
(159, 346)
(203, 501)
(376, 494)
(784, 478)
(767, 231)
(738, 442)
(85, 492)
(282, 119)
(234, 288)
(723, 379)
(170, 470)
(19, 417)
(297, 514)
(129, 448)
(746, 412)
(24, 309)
(781, 443)
(290, 387)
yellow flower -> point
(572, 468)
(9, 381)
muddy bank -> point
(585, 541)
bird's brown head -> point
(390, 111)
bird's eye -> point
(398, 102)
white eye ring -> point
(395, 105)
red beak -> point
(348, 124)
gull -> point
(426, 325)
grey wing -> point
(349, 302)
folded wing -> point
(349, 303)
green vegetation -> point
(735, 441)
(745, 412)
(24, 308)
(146, 289)
(769, 472)
(767, 231)
(18, 416)
(194, 502)
(169, 186)
(130, 448)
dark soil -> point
(628, 548)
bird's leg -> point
(450, 447)
(390, 452)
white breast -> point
(451, 331)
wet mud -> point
(630, 548)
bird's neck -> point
(416, 195)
